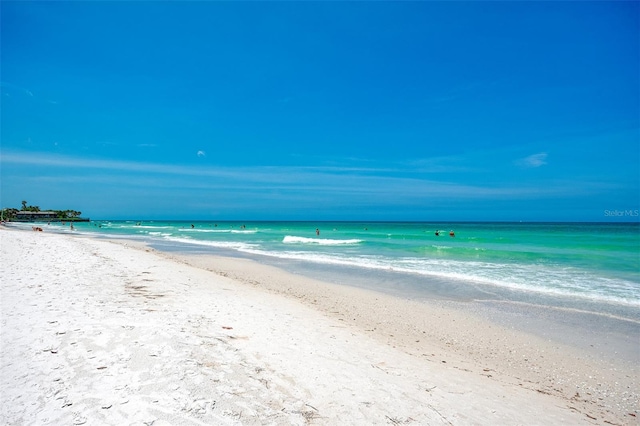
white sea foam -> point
(158, 233)
(289, 239)
(530, 278)
(220, 231)
(221, 244)
(199, 230)
(148, 227)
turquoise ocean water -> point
(572, 264)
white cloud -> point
(330, 182)
(534, 160)
(201, 154)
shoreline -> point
(495, 348)
(410, 284)
(560, 322)
(537, 270)
(428, 337)
(465, 331)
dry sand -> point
(95, 332)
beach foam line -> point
(290, 239)
(132, 227)
(220, 244)
(199, 230)
(218, 231)
(526, 278)
(159, 234)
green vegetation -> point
(8, 214)
(26, 208)
(67, 214)
(63, 215)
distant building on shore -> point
(30, 216)
(49, 216)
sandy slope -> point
(99, 333)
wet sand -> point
(519, 347)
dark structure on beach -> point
(34, 214)
(46, 216)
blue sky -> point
(322, 110)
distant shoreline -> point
(77, 219)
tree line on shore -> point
(10, 213)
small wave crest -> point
(289, 239)
(161, 234)
(149, 227)
(200, 230)
(220, 231)
(219, 244)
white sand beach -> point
(101, 332)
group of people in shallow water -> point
(438, 232)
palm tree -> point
(24, 205)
